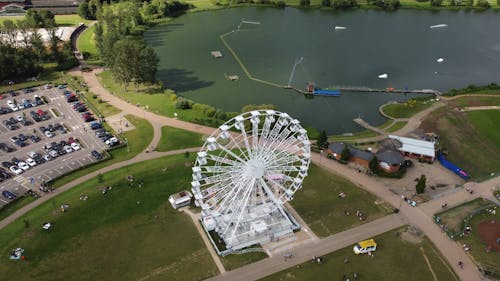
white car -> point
(53, 153)
(12, 105)
(32, 154)
(23, 165)
(68, 149)
(15, 169)
(112, 141)
(75, 146)
(48, 134)
(47, 157)
(20, 118)
(31, 162)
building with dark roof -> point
(390, 160)
(358, 156)
(12, 7)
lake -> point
(401, 44)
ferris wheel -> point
(246, 170)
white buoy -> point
(340, 27)
(383, 76)
(438, 25)
(440, 60)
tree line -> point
(25, 58)
(118, 36)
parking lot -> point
(46, 136)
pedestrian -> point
(460, 264)
(346, 259)
(355, 275)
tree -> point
(305, 2)
(346, 153)
(100, 178)
(483, 4)
(37, 45)
(326, 3)
(83, 10)
(251, 107)
(322, 139)
(48, 19)
(374, 164)
(420, 186)
(33, 18)
(10, 29)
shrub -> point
(100, 101)
(483, 4)
(436, 3)
(305, 2)
(210, 112)
(280, 4)
(220, 114)
(344, 4)
(183, 104)
(327, 3)
(94, 96)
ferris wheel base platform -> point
(252, 238)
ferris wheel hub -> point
(254, 168)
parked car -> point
(9, 195)
(23, 165)
(75, 146)
(7, 164)
(95, 125)
(47, 157)
(48, 134)
(15, 169)
(31, 162)
(96, 155)
(68, 149)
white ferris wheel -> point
(246, 170)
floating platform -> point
(216, 54)
(233, 77)
(438, 25)
(326, 92)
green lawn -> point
(61, 20)
(355, 136)
(478, 247)
(471, 138)
(398, 125)
(127, 234)
(476, 101)
(12, 207)
(138, 139)
(234, 261)
(405, 110)
(173, 138)
(157, 100)
(395, 259)
(53, 76)
(321, 208)
(87, 46)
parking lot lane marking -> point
(19, 179)
(57, 172)
(81, 164)
(1, 200)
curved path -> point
(415, 216)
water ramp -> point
(329, 93)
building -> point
(390, 161)
(358, 156)
(180, 199)
(12, 7)
(418, 149)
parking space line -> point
(4, 201)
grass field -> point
(12, 207)
(455, 216)
(476, 101)
(52, 76)
(87, 46)
(405, 110)
(103, 107)
(173, 138)
(471, 138)
(355, 136)
(126, 234)
(396, 259)
(234, 261)
(397, 126)
(61, 20)
(153, 99)
(321, 208)
(138, 139)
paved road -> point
(306, 251)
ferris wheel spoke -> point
(241, 209)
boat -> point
(340, 27)
(440, 60)
(438, 25)
(383, 76)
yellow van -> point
(365, 246)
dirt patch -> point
(489, 232)
(412, 235)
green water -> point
(400, 44)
